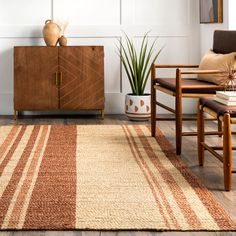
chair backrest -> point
(224, 41)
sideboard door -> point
(82, 72)
(35, 78)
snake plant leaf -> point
(137, 65)
(146, 63)
(128, 68)
(127, 59)
(149, 69)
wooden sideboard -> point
(58, 78)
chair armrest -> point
(177, 66)
(179, 74)
(198, 72)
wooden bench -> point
(227, 115)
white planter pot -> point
(138, 107)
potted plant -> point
(137, 64)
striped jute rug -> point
(110, 177)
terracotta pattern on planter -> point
(137, 107)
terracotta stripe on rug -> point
(52, 204)
(217, 212)
(8, 136)
(166, 212)
(11, 151)
(19, 205)
(8, 193)
(173, 185)
(100, 177)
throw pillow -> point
(214, 61)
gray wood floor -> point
(211, 175)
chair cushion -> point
(217, 107)
(190, 85)
(224, 41)
(214, 61)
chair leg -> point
(178, 124)
(220, 128)
(153, 104)
(227, 152)
(153, 113)
(200, 135)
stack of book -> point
(227, 98)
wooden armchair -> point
(224, 41)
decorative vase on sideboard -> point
(62, 41)
(51, 33)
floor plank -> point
(31, 233)
(211, 174)
(67, 233)
(7, 233)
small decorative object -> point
(62, 41)
(51, 33)
(229, 75)
(138, 68)
(228, 97)
(211, 11)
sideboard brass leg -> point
(102, 114)
(15, 115)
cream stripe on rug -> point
(162, 188)
(195, 204)
(20, 201)
(9, 139)
(4, 133)
(100, 177)
(111, 189)
(32, 176)
(166, 213)
(15, 157)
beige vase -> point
(138, 107)
(62, 41)
(51, 33)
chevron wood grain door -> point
(82, 77)
(35, 68)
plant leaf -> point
(127, 66)
(149, 69)
(133, 57)
(137, 65)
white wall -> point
(100, 22)
(231, 14)
(206, 30)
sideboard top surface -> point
(60, 46)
